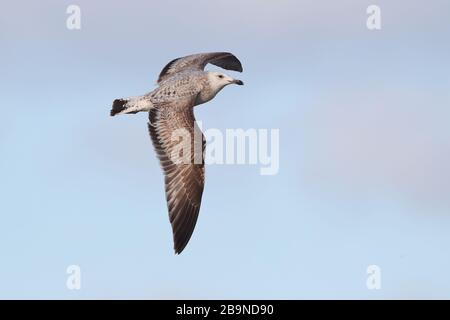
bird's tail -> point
(118, 106)
(130, 105)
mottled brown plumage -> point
(184, 181)
(178, 142)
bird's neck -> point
(208, 93)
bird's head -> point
(219, 80)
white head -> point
(218, 80)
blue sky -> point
(364, 151)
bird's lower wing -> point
(179, 145)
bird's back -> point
(179, 86)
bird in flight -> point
(182, 84)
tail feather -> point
(118, 106)
(131, 105)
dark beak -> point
(238, 82)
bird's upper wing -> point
(198, 61)
(172, 128)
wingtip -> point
(238, 62)
(178, 250)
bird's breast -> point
(205, 95)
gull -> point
(182, 84)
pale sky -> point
(364, 173)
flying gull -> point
(182, 84)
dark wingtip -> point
(118, 106)
(178, 248)
(237, 65)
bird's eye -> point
(220, 76)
